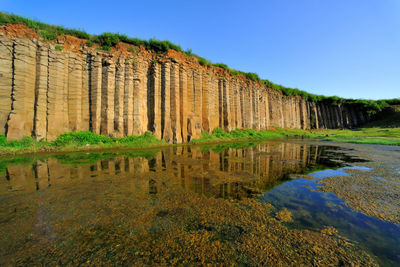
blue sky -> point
(348, 48)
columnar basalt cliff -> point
(48, 88)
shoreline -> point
(218, 136)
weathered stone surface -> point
(20, 121)
(175, 104)
(6, 80)
(183, 102)
(42, 75)
(119, 97)
(165, 102)
(128, 98)
(85, 97)
(75, 92)
(45, 92)
(95, 69)
(107, 97)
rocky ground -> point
(375, 192)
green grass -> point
(77, 141)
(385, 131)
(365, 140)
(85, 140)
(219, 134)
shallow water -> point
(42, 198)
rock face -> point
(46, 91)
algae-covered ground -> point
(374, 190)
(100, 223)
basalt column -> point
(20, 121)
(154, 99)
(128, 98)
(175, 104)
(238, 107)
(6, 80)
(183, 102)
(165, 102)
(42, 73)
(191, 103)
(119, 97)
(254, 104)
(220, 103)
(197, 100)
(95, 70)
(107, 97)
(140, 118)
(214, 102)
(56, 114)
(75, 92)
(85, 96)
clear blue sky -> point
(348, 48)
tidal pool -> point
(187, 205)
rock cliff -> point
(48, 88)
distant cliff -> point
(48, 88)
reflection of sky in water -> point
(329, 172)
(314, 210)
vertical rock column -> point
(254, 104)
(261, 108)
(242, 106)
(128, 98)
(319, 115)
(119, 97)
(140, 118)
(238, 106)
(214, 103)
(107, 97)
(20, 122)
(95, 71)
(231, 98)
(165, 102)
(191, 103)
(42, 73)
(273, 109)
(206, 112)
(248, 114)
(324, 116)
(74, 92)
(306, 111)
(85, 100)
(220, 103)
(313, 111)
(6, 80)
(197, 109)
(280, 106)
(267, 114)
(183, 93)
(155, 106)
(175, 104)
(55, 94)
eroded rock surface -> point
(45, 91)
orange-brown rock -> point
(45, 91)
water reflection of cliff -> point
(213, 171)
